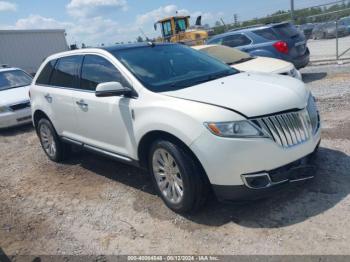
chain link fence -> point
(326, 26)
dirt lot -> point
(91, 205)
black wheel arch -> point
(148, 139)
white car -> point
(192, 121)
(14, 99)
(247, 63)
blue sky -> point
(109, 21)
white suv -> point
(195, 123)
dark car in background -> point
(282, 41)
(345, 21)
(307, 29)
(329, 30)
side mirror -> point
(112, 89)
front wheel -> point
(177, 177)
(54, 148)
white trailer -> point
(27, 49)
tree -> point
(217, 23)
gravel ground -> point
(326, 48)
(91, 205)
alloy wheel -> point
(47, 140)
(168, 176)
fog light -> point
(257, 181)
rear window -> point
(14, 78)
(66, 71)
(266, 33)
(286, 30)
(45, 74)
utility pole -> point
(292, 10)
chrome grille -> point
(288, 129)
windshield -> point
(163, 68)
(226, 54)
(14, 78)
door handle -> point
(82, 104)
(48, 98)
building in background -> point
(27, 49)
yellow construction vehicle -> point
(177, 29)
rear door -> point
(55, 84)
(104, 122)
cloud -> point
(7, 6)
(92, 31)
(159, 13)
(39, 22)
(96, 28)
(85, 8)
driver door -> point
(104, 122)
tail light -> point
(281, 47)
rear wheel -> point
(177, 177)
(53, 147)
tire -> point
(194, 186)
(52, 145)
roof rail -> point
(246, 27)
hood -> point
(14, 95)
(252, 94)
(265, 65)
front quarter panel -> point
(181, 118)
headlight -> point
(242, 128)
(4, 109)
(313, 114)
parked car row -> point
(326, 30)
(194, 121)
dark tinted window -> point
(266, 33)
(13, 79)
(44, 77)
(286, 30)
(170, 67)
(98, 70)
(65, 71)
(215, 41)
(236, 40)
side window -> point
(98, 70)
(45, 74)
(216, 41)
(167, 29)
(266, 33)
(236, 40)
(65, 71)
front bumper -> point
(225, 160)
(301, 61)
(15, 118)
(296, 172)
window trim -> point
(121, 70)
